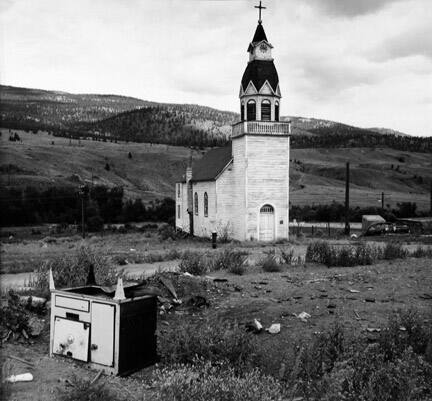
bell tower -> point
(261, 147)
(259, 90)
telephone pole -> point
(347, 183)
(83, 192)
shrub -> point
(421, 252)
(193, 263)
(270, 264)
(214, 382)
(211, 339)
(83, 390)
(73, 270)
(231, 260)
(318, 252)
(287, 256)
(394, 251)
(166, 231)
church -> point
(242, 190)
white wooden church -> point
(243, 189)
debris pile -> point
(20, 317)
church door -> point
(266, 223)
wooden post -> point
(328, 228)
(382, 200)
(347, 225)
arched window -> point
(251, 110)
(196, 203)
(242, 112)
(178, 211)
(205, 204)
(178, 190)
(277, 111)
(265, 110)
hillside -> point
(33, 108)
(123, 118)
(317, 175)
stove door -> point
(102, 334)
(71, 338)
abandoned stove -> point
(110, 328)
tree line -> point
(63, 205)
(335, 212)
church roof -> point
(259, 71)
(259, 34)
(211, 164)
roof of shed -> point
(211, 164)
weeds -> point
(269, 263)
(353, 255)
(212, 340)
(421, 252)
(394, 251)
(83, 390)
(193, 263)
(231, 260)
(214, 382)
(287, 256)
(73, 271)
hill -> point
(317, 175)
(36, 108)
(123, 118)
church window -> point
(242, 112)
(205, 204)
(277, 111)
(251, 110)
(196, 203)
(265, 110)
(178, 190)
(178, 211)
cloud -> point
(416, 42)
(352, 8)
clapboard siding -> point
(204, 226)
(267, 182)
(182, 222)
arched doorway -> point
(266, 223)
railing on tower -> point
(261, 127)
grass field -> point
(317, 175)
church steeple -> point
(259, 90)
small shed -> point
(369, 219)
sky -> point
(362, 62)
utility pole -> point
(430, 211)
(382, 200)
(347, 225)
(83, 192)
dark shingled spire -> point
(259, 71)
(259, 34)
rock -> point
(353, 291)
(372, 330)
(255, 326)
(238, 288)
(331, 306)
(369, 299)
(275, 328)
(303, 316)
(35, 326)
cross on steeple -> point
(260, 8)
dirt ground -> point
(359, 298)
